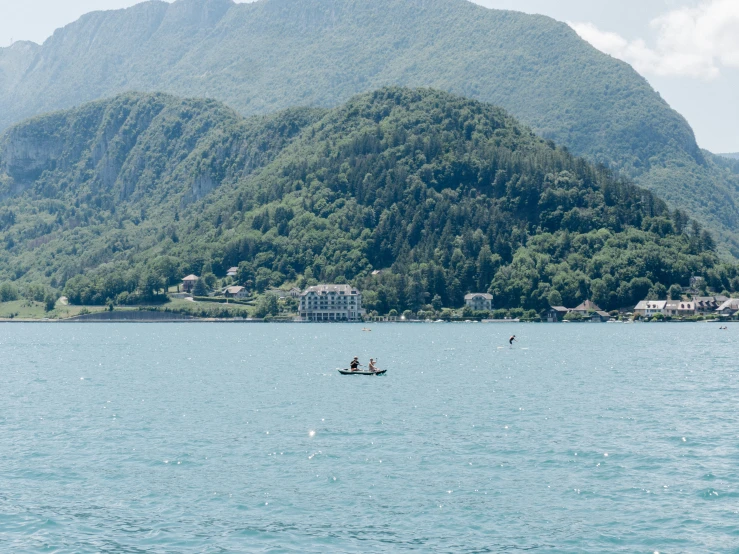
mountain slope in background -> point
(452, 194)
(731, 156)
(275, 54)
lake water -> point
(185, 438)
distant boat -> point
(367, 330)
(350, 372)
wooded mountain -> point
(113, 200)
(274, 54)
(734, 156)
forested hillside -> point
(275, 54)
(115, 199)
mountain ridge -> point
(127, 195)
(273, 54)
(309, 22)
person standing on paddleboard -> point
(512, 340)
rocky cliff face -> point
(25, 156)
(134, 144)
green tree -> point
(200, 288)
(675, 292)
(267, 305)
(50, 301)
(487, 264)
(210, 280)
(554, 298)
(8, 292)
(151, 284)
(657, 292)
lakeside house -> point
(479, 301)
(235, 292)
(279, 293)
(294, 292)
(331, 303)
(699, 306)
(730, 308)
(586, 308)
(679, 308)
(707, 305)
(588, 311)
(189, 282)
(600, 317)
(557, 313)
(649, 308)
(232, 272)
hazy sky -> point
(687, 49)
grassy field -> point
(207, 309)
(29, 310)
(26, 309)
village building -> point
(586, 308)
(235, 292)
(707, 305)
(649, 308)
(188, 283)
(331, 303)
(295, 292)
(730, 308)
(279, 293)
(696, 283)
(600, 317)
(232, 271)
(557, 313)
(479, 301)
(679, 308)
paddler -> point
(355, 363)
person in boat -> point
(354, 366)
(512, 340)
(372, 366)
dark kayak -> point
(350, 372)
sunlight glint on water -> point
(243, 437)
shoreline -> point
(365, 323)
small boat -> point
(365, 330)
(350, 372)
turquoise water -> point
(143, 438)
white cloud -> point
(692, 42)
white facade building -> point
(648, 308)
(331, 303)
(479, 301)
